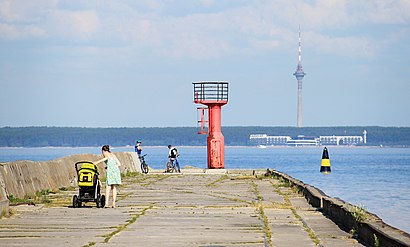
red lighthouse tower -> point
(214, 95)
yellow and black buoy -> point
(325, 167)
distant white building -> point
(302, 140)
(341, 140)
(266, 140)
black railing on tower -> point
(210, 91)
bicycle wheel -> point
(169, 167)
(144, 168)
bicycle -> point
(173, 166)
(144, 166)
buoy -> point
(325, 166)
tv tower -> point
(299, 74)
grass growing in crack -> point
(359, 213)
(158, 178)
(220, 179)
(297, 190)
(309, 230)
(229, 198)
(278, 205)
(130, 174)
(266, 228)
(123, 196)
(66, 188)
(261, 211)
(129, 222)
(285, 183)
(243, 177)
(90, 244)
(256, 191)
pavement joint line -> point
(262, 216)
(124, 226)
(231, 199)
(157, 179)
(220, 179)
(306, 227)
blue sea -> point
(373, 177)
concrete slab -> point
(216, 171)
(188, 209)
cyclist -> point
(172, 155)
(138, 148)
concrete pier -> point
(195, 208)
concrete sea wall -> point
(21, 178)
(371, 231)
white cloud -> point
(21, 11)
(241, 28)
(207, 2)
(13, 32)
(76, 25)
(381, 11)
(341, 46)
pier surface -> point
(189, 209)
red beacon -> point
(214, 95)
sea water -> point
(376, 178)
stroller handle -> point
(86, 162)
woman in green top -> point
(113, 174)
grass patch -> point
(4, 213)
(71, 188)
(278, 205)
(90, 244)
(243, 177)
(46, 196)
(359, 213)
(266, 228)
(376, 241)
(283, 182)
(130, 174)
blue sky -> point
(132, 63)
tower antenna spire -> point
(300, 49)
(299, 74)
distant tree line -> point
(155, 136)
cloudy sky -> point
(132, 63)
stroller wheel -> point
(98, 201)
(102, 202)
(75, 201)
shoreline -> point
(204, 146)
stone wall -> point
(21, 178)
(340, 212)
